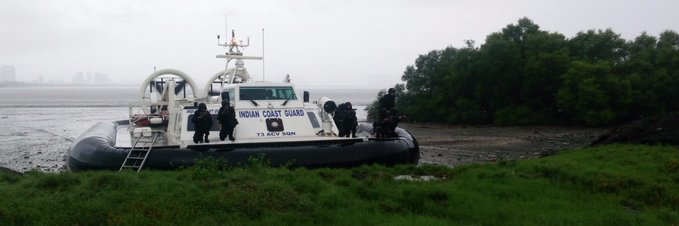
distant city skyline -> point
(89, 77)
(8, 74)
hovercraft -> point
(273, 123)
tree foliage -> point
(525, 75)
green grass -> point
(608, 185)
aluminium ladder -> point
(137, 156)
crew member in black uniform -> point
(387, 102)
(345, 119)
(227, 118)
(202, 121)
(390, 123)
(339, 117)
(384, 113)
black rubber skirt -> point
(95, 150)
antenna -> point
(226, 27)
(263, 68)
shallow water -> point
(37, 129)
(38, 138)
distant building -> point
(100, 78)
(7, 73)
(90, 78)
(78, 78)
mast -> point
(234, 47)
(263, 68)
(234, 51)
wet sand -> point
(454, 144)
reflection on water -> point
(38, 138)
(67, 96)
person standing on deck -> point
(349, 122)
(227, 118)
(202, 121)
(387, 102)
(339, 118)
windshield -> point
(267, 93)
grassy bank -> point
(609, 185)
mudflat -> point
(456, 144)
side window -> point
(177, 127)
(313, 120)
(291, 94)
(189, 123)
(190, 126)
(266, 93)
(232, 95)
(215, 123)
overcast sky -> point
(343, 43)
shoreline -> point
(444, 144)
